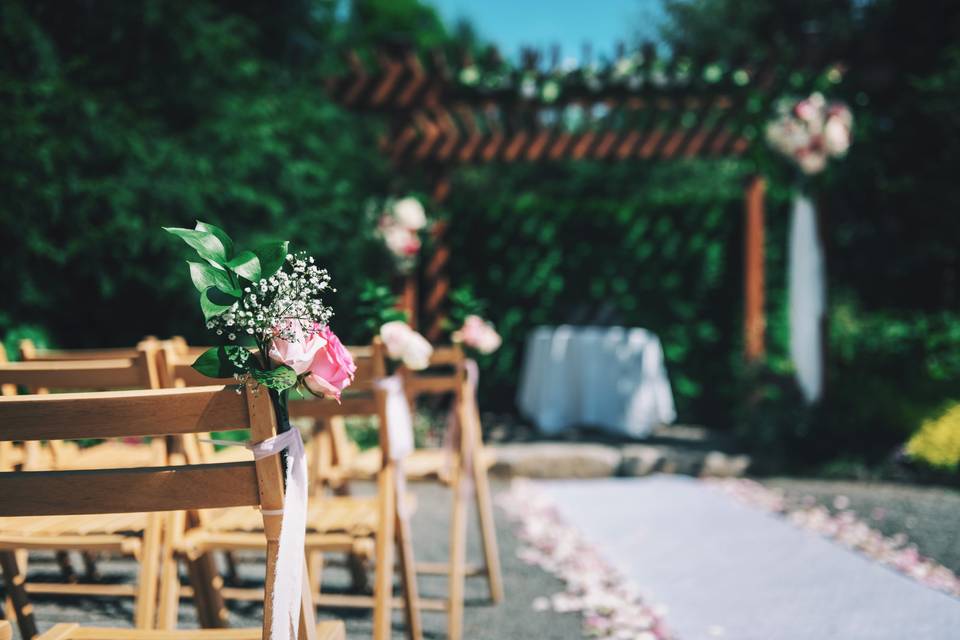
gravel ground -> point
(513, 618)
(929, 516)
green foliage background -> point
(117, 118)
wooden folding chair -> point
(364, 527)
(462, 465)
(136, 535)
(133, 490)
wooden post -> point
(436, 278)
(408, 297)
(754, 320)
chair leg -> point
(383, 576)
(233, 575)
(14, 582)
(308, 615)
(458, 543)
(145, 604)
(315, 561)
(169, 573)
(488, 531)
(90, 570)
(66, 567)
(214, 584)
(207, 596)
(408, 573)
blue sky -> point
(512, 24)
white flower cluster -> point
(811, 131)
(406, 345)
(269, 306)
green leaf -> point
(271, 257)
(213, 302)
(220, 234)
(205, 276)
(280, 379)
(206, 244)
(246, 265)
(223, 362)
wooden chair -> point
(136, 535)
(463, 466)
(137, 370)
(365, 527)
(133, 490)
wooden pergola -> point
(442, 115)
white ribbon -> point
(807, 294)
(400, 434)
(288, 570)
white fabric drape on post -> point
(807, 297)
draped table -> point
(613, 378)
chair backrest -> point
(141, 371)
(445, 374)
(163, 412)
(30, 352)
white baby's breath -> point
(269, 306)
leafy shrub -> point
(937, 443)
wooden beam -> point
(754, 321)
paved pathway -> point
(726, 570)
(514, 618)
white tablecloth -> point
(608, 377)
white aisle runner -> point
(727, 570)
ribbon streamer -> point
(288, 574)
(400, 433)
(288, 571)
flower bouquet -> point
(266, 305)
(811, 131)
(398, 225)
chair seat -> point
(342, 523)
(328, 630)
(421, 465)
(340, 514)
(101, 532)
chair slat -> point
(185, 375)
(446, 355)
(323, 409)
(91, 374)
(114, 414)
(41, 493)
(417, 385)
(50, 355)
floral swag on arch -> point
(809, 133)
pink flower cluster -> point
(399, 226)
(316, 354)
(845, 528)
(480, 334)
(611, 606)
(811, 131)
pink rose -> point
(332, 369)
(297, 353)
(401, 241)
(836, 136)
